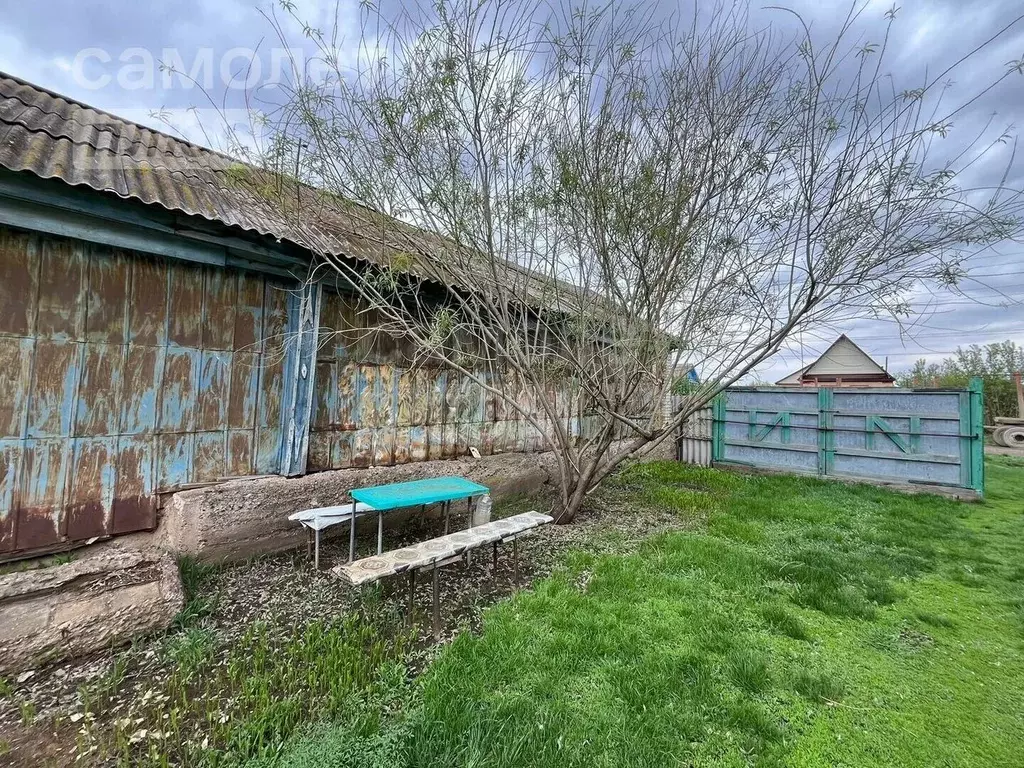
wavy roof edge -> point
(53, 136)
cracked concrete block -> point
(103, 598)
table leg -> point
(437, 606)
(316, 552)
(469, 514)
(447, 508)
(352, 535)
(380, 532)
(309, 541)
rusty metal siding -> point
(371, 406)
(123, 375)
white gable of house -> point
(843, 358)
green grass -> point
(241, 703)
(810, 624)
(200, 602)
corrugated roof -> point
(54, 137)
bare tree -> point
(572, 209)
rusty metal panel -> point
(135, 500)
(248, 331)
(419, 446)
(178, 393)
(269, 431)
(19, 282)
(208, 455)
(147, 304)
(362, 448)
(15, 372)
(42, 496)
(275, 315)
(319, 450)
(268, 450)
(143, 374)
(52, 391)
(348, 396)
(343, 449)
(245, 380)
(107, 297)
(212, 400)
(387, 395)
(173, 460)
(185, 304)
(325, 397)
(420, 405)
(402, 450)
(485, 437)
(406, 382)
(366, 392)
(62, 290)
(99, 392)
(10, 472)
(239, 459)
(384, 446)
(92, 489)
(469, 435)
(220, 293)
(435, 442)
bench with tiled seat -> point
(444, 550)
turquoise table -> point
(435, 490)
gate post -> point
(718, 412)
(826, 435)
(976, 420)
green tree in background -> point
(994, 363)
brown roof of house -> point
(54, 137)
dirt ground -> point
(41, 710)
(998, 450)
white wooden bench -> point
(444, 550)
(316, 520)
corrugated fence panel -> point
(923, 437)
(123, 375)
(694, 445)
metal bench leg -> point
(380, 532)
(437, 606)
(352, 535)
(412, 594)
(316, 551)
(309, 541)
(515, 561)
(494, 562)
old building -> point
(158, 329)
(843, 364)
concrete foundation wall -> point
(102, 599)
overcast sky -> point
(96, 51)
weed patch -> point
(244, 703)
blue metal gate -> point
(928, 437)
